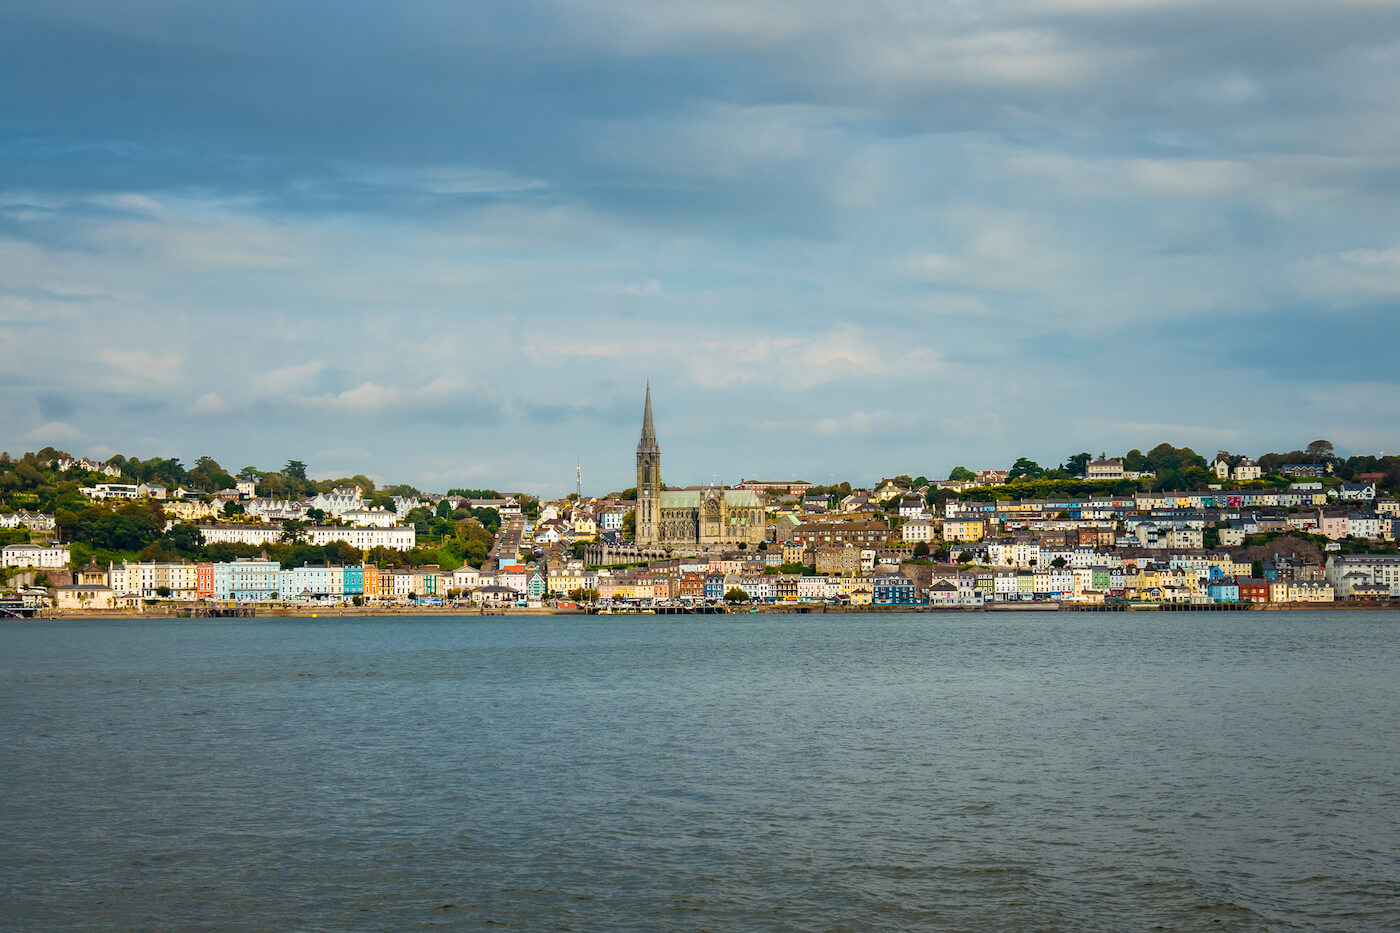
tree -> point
(163, 591)
(736, 595)
(1025, 468)
(1078, 465)
(295, 469)
(962, 474)
(1321, 450)
(1256, 570)
(629, 525)
(293, 531)
(233, 508)
(1058, 562)
(489, 519)
(921, 549)
(184, 538)
(272, 486)
(965, 557)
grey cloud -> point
(55, 407)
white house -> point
(373, 517)
(918, 529)
(256, 535)
(1355, 492)
(337, 502)
(112, 491)
(1379, 569)
(34, 521)
(1247, 470)
(39, 556)
(465, 578)
(1104, 469)
(397, 539)
(65, 464)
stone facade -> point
(690, 518)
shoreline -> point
(352, 612)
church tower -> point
(648, 479)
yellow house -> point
(77, 596)
(964, 529)
(861, 596)
(191, 510)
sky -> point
(447, 243)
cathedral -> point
(690, 518)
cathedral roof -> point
(691, 498)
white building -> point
(112, 491)
(918, 529)
(256, 535)
(374, 517)
(405, 504)
(274, 510)
(1344, 571)
(1247, 470)
(65, 464)
(337, 503)
(34, 521)
(312, 581)
(466, 578)
(396, 538)
(38, 556)
(1104, 469)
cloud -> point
(854, 424)
(478, 227)
(210, 404)
(53, 432)
(290, 378)
(1353, 276)
(54, 407)
(135, 366)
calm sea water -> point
(1235, 771)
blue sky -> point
(446, 243)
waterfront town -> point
(1165, 529)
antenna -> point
(578, 478)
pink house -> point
(1332, 525)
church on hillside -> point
(703, 517)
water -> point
(1235, 771)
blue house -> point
(893, 590)
(1223, 591)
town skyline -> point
(674, 476)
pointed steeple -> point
(648, 441)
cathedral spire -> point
(648, 441)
